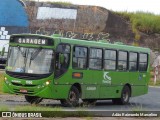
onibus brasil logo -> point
(106, 78)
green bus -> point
(52, 67)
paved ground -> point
(148, 102)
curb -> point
(155, 86)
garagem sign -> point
(32, 40)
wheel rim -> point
(125, 96)
(72, 96)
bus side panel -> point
(136, 89)
(138, 82)
(91, 81)
(110, 92)
(89, 86)
(119, 79)
(110, 85)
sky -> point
(152, 6)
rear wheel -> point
(125, 96)
(33, 99)
(73, 98)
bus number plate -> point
(23, 91)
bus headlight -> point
(5, 78)
(48, 82)
(6, 81)
(44, 84)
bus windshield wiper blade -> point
(34, 55)
(23, 54)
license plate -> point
(23, 91)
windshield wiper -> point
(23, 53)
(34, 55)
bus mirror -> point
(61, 58)
(2, 52)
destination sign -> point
(32, 40)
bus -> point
(52, 67)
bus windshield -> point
(30, 60)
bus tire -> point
(125, 96)
(73, 98)
(33, 99)
(89, 101)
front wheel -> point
(33, 99)
(125, 96)
(73, 98)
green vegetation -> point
(151, 82)
(36, 108)
(4, 108)
(145, 22)
(54, 111)
(1, 79)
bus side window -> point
(62, 59)
(110, 60)
(122, 60)
(95, 58)
(80, 57)
(133, 60)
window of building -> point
(110, 60)
(142, 62)
(133, 58)
(80, 57)
(122, 60)
(95, 58)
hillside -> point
(94, 23)
(146, 27)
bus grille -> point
(27, 76)
(18, 84)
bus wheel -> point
(89, 101)
(125, 95)
(33, 99)
(73, 98)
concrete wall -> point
(81, 22)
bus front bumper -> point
(50, 91)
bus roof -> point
(100, 44)
(87, 43)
